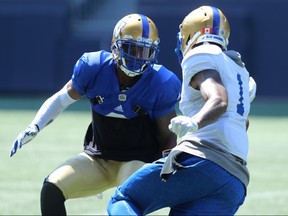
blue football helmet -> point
(135, 44)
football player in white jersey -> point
(132, 102)
(206, 173)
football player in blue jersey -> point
(132, 101)
(206, 173)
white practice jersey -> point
(229, 131)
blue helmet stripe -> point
(145, 26)
(216, 21)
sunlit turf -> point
(22, 175)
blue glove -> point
(24, 137)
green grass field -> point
(22, 175)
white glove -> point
(252, 89)
(23, 138)
(181, 125)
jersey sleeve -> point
(85, 71)
(79, 77)
(199, 59)
(196, 64)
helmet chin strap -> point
(129, 72)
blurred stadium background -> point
(40, 41)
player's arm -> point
(54, 105)
(167, 139)
(72, 91)
(213, 91)
(209, 83)
(218, 92)
(49, 111)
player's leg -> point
(123, 202)
(145, 192)
(52, 200)
(224, 201)
(79, 176)
(126, 169)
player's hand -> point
(252, 89)
(181, 125)
(23, 138)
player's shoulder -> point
(207, 55)
(163, 74)
(98, 57)
(164, 80)
(204, 50)
(91, 64)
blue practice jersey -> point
(123, 119)
(156, 91)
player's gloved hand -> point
(181, 125)
(252, 89)
(24, 137)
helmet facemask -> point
(135, 56)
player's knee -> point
(121, 205)
(51, 192)
(111, 207)
(52, 200)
